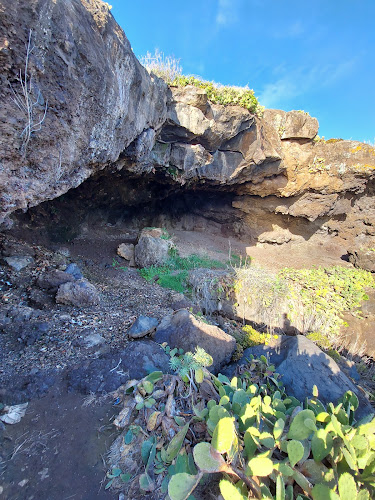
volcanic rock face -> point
(99, 98)
(105, 113)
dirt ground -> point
(58, 450)
(274, 257)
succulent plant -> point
(267, 444)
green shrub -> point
(222, 94)
(168, 68)
(320, 340)
(250, 337)
(176, 281)
(265, 443)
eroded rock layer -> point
(139, 140)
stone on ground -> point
(126, 251)
(51, 280)
(18, 262)
(75, 271)
(151, 249)
(142, 327)
(111, 370)
(79, 293)
(184, 331)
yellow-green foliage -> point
(333, 141)
(334, 354)
(222, 94)
(318, 139)
(320, 339)
(327, 293)
(313, 300)
(168, 68)
(250, 337)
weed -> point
(176, 281)
(165, 235)
(174, 273)
(318, 166)
(320, 339)
(317, 139)
(168, 68)
(117, 265)
(333, 141)
(27, 102)
(223, 94)
(334, 354)
(250, 337)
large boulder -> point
(98, 98)
(184, 331)
(302, 365)
(151, 249)
(190, 118)
(223, 144)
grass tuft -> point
(169, 69)
(174, 273)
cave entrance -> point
(107, 210)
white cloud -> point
(294, 30)
(301, 81)
(227, 12)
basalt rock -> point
(98, 98)
(78, 293)
(363, 258)
(302, 365)
(184, 331)
(139, 140)
(151, 249)
(292, 124)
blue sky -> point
(317, 56)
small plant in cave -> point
(117, 265)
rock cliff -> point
(105, 113)
(98, 97)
